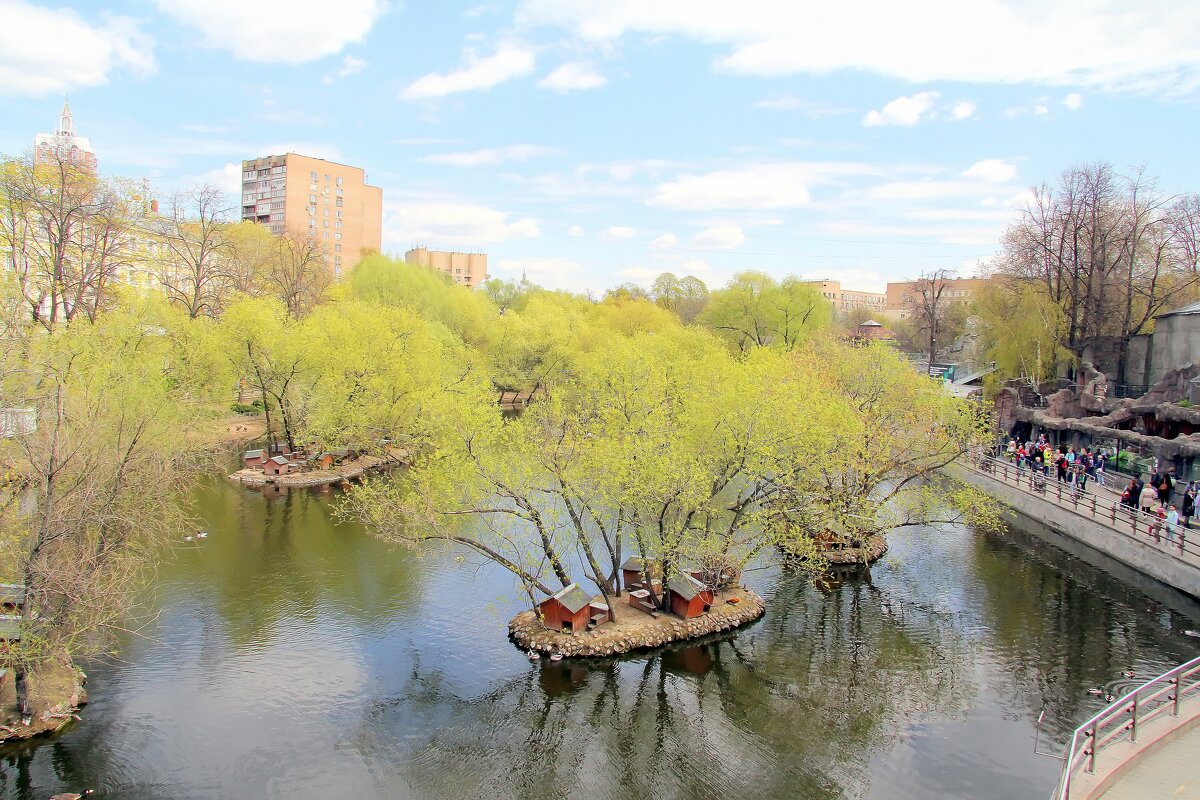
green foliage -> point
(755, 310)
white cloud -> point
(490, 155)
(665, 241)
(575, 230)
(902, 111)
(1040, 109)
(46, 51)
(621, 232)
(1073, 101)
(991, 169)
(1145, 45)
(549, 272)
(282, 31)
(445, 223)
(227, 178)
(508, 62)
(572, 77)
(758, 186)
(350, 66)
(725, 237)
(963, 109)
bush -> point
(242, 408)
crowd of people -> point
(1154, 496)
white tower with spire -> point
(64, 143)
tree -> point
(91, 473)
(298, 272)
(1110, 249)
(1023, 329)
(685, 297)
(197, 272)
(926, 304)
(754, 310)
(65, 233)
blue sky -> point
(593, 143)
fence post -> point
(1133, 724)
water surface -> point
(292, 657)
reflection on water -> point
(292, 657)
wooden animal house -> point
(324, 461)
(253, 458)
(12, 598)
(10, 628)
(568, 610)
(633, 573)
(277, 466)
(689, 597)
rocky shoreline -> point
(872, 550)
(636, 630)
(55, 695)
(318, 477)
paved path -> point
(1172, 771)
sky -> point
(588, 144)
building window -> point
(326, 201)
(327, 212)
(313, 175)
(278, 170)
(325, 223)
(337, 224)
(339, 214)
(336, 235)
(339, 202)
(339, 192)
(327, 177)
(337, 248)
(325, 235)
(312, 198)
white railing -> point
(1120, 720)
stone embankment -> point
(634, 629)
(872, 550)
(317, 477)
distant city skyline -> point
(588, 145)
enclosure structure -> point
(568, 610)
(689, 597)
(253, 458)
(277, 466)
(633, 573)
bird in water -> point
(1108, 698)
(1129, 673)
(1096, 691)
(72, 795)
(533, 656)
(186, 539)
(201, 534)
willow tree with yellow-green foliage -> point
(683, 446)
(97, 418)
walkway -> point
(1097, 520)
(1172, 771)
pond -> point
(292, 657)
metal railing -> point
(1120, 720)
(1172, 540)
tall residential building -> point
(902, 296)
(332, 202)
(64, 143)
(469, 269)
(847, 299)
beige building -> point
(331, 202)
(64, 144)
(848, 299)
(468, 269)
(901, 296)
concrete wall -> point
(1141, 556)
(1176, 344)
(1136, 359)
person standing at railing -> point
(1156, 523)
(1172, 524)
(1098, 468)
(1165, 486)
(1189, 504)
(1147, 499)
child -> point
(1172, 523)
(1157, 522)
